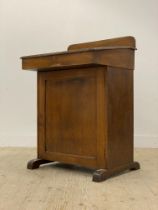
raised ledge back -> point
(128, 41)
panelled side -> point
(120, 117)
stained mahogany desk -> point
(85, 106)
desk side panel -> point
(120, 117)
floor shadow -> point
(69, 167)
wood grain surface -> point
(120, 41)
(85, 114)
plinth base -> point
(35, 163)
(98, 176)
(103, 174)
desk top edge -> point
(79, 51)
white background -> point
(41, 26)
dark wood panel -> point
(86, 161)
(85, 106)
(120, 117)
(121, 41)
(117, 57)
(72, 114)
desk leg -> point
(35, 163)
(103, 174)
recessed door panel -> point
(72, 112)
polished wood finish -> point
(112, 56)
(85, 106)
(35, 163)
(120, 116)
(127, 41)
(103, 174)
(71, 126)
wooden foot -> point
(103, 174)
(135, 166)
(100, 175)
(35, 163)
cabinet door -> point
(71, 116)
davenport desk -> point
(85, 106)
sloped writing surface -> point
(111, 56)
